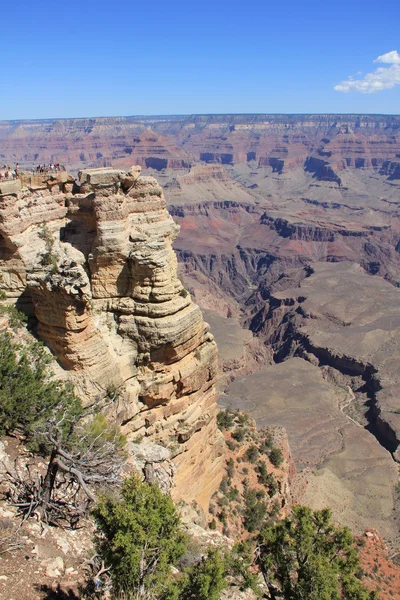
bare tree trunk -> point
(48, 483)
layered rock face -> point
(92, 261)
(327, 144)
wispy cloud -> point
(383, 78)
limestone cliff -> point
(91, 261)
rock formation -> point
(91, 261)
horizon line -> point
(188, 115)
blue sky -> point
(75, 59)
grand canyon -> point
(284, 230)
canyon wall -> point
(322, 144)
(92, 263)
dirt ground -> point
(37, 561)
(380, 572)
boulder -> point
(10, 188)
(96, 177)
(154, 464)
(131, 177)
(54, 567)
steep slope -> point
(336, 341)
(339, 463)
(94, 266)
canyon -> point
(289, 242)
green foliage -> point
(231, 445)
(205, 580)
(225, 419)
(266, 479)
(230, 468)
(255, 511)
(223, 501)
(223, 486)
(276, 457)
(266, 444)
(48, 258)
(27, 396)
(112, 393)
(272, 484)
(239, 565)
(274, 508)
(232, 494)
(307, 558)
(97, 432)
(251, 453)
(243, 418)
(139, 537)
(15, 317)
(46, 235)
(239, 434)
(262, 472)
(223, 517)
(213, 525)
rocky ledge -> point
(90, 260)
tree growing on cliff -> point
(139, 538)
(306, 557)
(49, 259)
(84, 448)
(206, 579)
(276, 457)
(27, 395)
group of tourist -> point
(48, 168)
(6, 172)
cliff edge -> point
(91, 262)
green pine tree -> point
(306, 557)
(28, 396)
(139, 538)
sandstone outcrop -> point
(92, 262)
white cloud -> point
(383, 78)
(392, 57)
